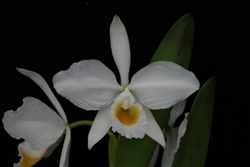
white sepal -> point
(154, 131)
(38, 79)
(120, 48)
(99, 127)
(64, 160)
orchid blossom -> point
(40, 126)
(90, 85)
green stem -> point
(89, 123)
(80, 123)
(112, 148)
(113, 142)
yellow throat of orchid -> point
(28, 161)
(29, 156)
(127, 115)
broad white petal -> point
(168, 154)
(29, 156)
(155, 156)
(176, 111)
(38, 79)
(154, 131)
(99, 127)
(88, 84)
(120, 48)
(35, 122)
(127, 116)
(162, 84)
(64, 160)
(181, 131)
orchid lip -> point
(127, 116)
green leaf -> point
(194, 144)
(176, 47)
(178, 43)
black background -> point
(47, 37)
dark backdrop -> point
(48, 37)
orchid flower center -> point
(126, 104)
(127, 115)
(126, 111)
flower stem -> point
(113, 142)
(112, 148)
(80, 123)
(89, 123)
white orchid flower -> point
(175, 134)
(90, 85)
(40, 127)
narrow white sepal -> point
(154, 131)
(38, 79)
(64, 160)
(99, 127)
(162, 84)
(120, 48)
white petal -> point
(51, 148)
(181, 131)
(88, 84)
(120, 48)
(35, 122)
(154, 131)
(168, 154)
(155, 156)
(29, 156)
(162, 84)
(176, 111)
(129, 124)
(38, 79)
(99, 127)
(66, 149)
